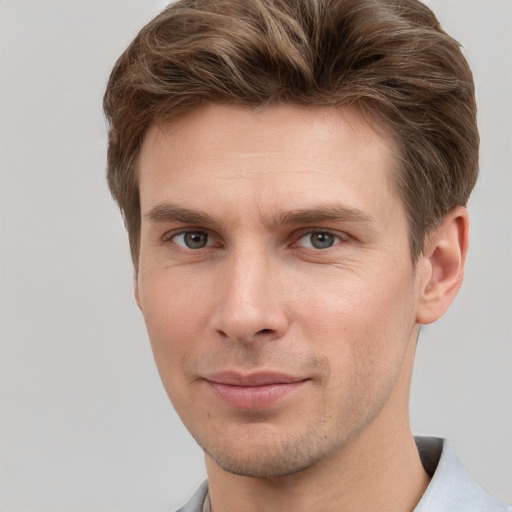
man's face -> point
(276, 282)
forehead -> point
(282, 154)
(243, 127)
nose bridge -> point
(250, 301)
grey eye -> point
(192, 239)
(321, 240)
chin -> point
(268, 459)
(262, 466)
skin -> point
(273, 241)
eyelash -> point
(171, 237)
(338, 238)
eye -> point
(318, 240)
(191, 239)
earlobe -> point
(445, 258)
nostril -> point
(265, 331)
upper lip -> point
(263, 378)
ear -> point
(136, 287)
(444, 259)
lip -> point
(253, 391)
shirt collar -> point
(452, 488)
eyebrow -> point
(168, 212)
(323, 214)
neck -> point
(384, 475)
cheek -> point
(363, 329)
(175, 310)
(355, 321)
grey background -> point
(84, 422)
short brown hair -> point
(388, 57)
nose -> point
(251, 304)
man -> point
(293, 176)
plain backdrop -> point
(84, 422)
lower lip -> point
(254, 397)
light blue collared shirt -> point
(452, 488)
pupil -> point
(322, 240)
(195, 239)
